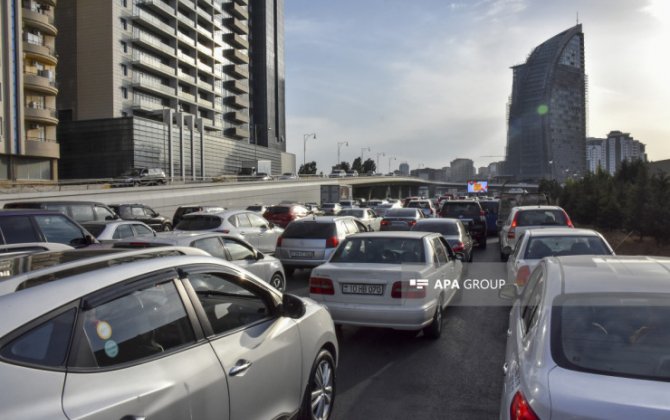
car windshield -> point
(353, 212)
(540, 247)
(199, 222)
(540, 218)
(401, 213)
(452, 209)
(310, 230)
(255, 208)
(612, 334)
(278, 210)
(444, 228)
(380, 251)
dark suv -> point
(33, 226)
(472, 215)
(141, 176)
(143, 213)
(80, 211)
(184, 210)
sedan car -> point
(255, 229)
(426, 206)
(588, 339)
(365, 215)
(400, 219)
(144, 214)
(186, 336)
(452, 230)
(226, 247)
(116, 230)
(471, 213)
(283, 214)
(536, 244)
(387, 280)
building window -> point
(124, 23)
(124, 92)
(124, 46)
(125, 3)
(124, 69)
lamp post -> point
(306, 137)
(339, 145)
(379, 154)
(390, 159)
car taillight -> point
(402, 289)
(510, 234)
(279, 239)
(332, 242)
(321, 286)
(411, 222)
(458, 247)
(385, 223)
(522, 275)
(513, 225)
(568, 219)
(520, 410)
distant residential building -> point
(404, 169)
(595, 154)
(494, 169)
(621, 146)
(483, 172)
(462, 170)
(547, 111)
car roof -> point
(403, 234)
(563, 231)
(611, 274)
(175, 238)
(536, 207)
(438, 220)
(19, 212)
(57, 201)
(322, 219)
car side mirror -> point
(90, 240)
(509, 292)
(292, 306)
(259, 255)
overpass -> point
(166, 198)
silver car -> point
(255, 229)
(166, 338)
(365, 215)
(226, 247)
(589, 339)
(116, 230)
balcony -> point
(40, 113)
(205, 50)
(235, 40)
(149, 84)
(42, 81)
(205, 102)
(242, 2)
(204, 31)
(33, 48)
(186, 77)
(241, 70)
(237, 133)
(238, 86)
(41, 21)
(186, 96)
(239, 117)
(204, 67)
(186, 58)
(237, 26)
(236, 56)
(186, 39)
(152, 42)
(189, 4)
(153, 21)
(205, 85)
(144, 61)
(42, 147)
(141, 104)
(238, 101)
(157, 5)
(185, 19)
(237, 10)
(204, 14)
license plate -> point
(302, 254)
(363, 289)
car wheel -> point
(434, 330)
(317, 403)
(167, 227)
(277, 281)
(289, 271)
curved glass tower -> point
(546, 127)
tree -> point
(356, 165)
(369, 166)
(344, 165)
(308, 168)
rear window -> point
(451, 209)
(353, 212)
(450, 229)
(541, 218)
(95, 230)
(541, 247)
(380, 251)
(400, 213)
(310, 230)
(491, 206)
(198, 222)
(613, 334)
(419, 204)
(18, 229)
(278, 210)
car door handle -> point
(240, 367)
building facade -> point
(595, 154)
(403, 168)
(462, 170)
(169, 84)
(29, 149)
(610, 152)
(546, 133)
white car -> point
(365, 215)
(115, 230)
(174, 338)
(536, 244)
(588, 339)
(388, 280)
(528, 217)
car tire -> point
(167, 227)
(289, 271)
(278, 282)
(434, 330)
(317, 402)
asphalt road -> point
(386, 374)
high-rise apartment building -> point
(28, 147)
(596, 156)
(173, 84)
(462, 170)
(608, 153)
(403, 168)
(547, 111)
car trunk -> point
(302, 248)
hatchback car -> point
(331, 209)
(227, 247)
(452, 230)
(387, 280)
(144, 214)
(309, 242)
(400, 219)
(426, 206)
(113, 231)
(256, 230)
(588, 339)
(187, 336)
(365, 215)
(184, 210)
(284, 214)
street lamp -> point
(339, 145)
(390, 159)
(306, 137)
(379, 154)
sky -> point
(428, 81)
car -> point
(314, 208)
(517, 197)
(115, 230)
(352, 173)
(381, 209)
(136, 177)
(372, 280)
(257, 208)
(259, 232)
(331, 209)
(284, 214)
(529, 217)
(400, 219)
(349, 204)
(365, 215)
(452, 230)
(338, 173)
(142, 213)
(588, 339)
(376, 202)
(80, 211)
(26, 226)
(288, 176)
(535, 244)
(309, 242)
(473, 216)
(189, 336)
(227, 247)
(262, 176)
(426, 206)
(182, 211)
(406, 200)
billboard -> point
(478, 186)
